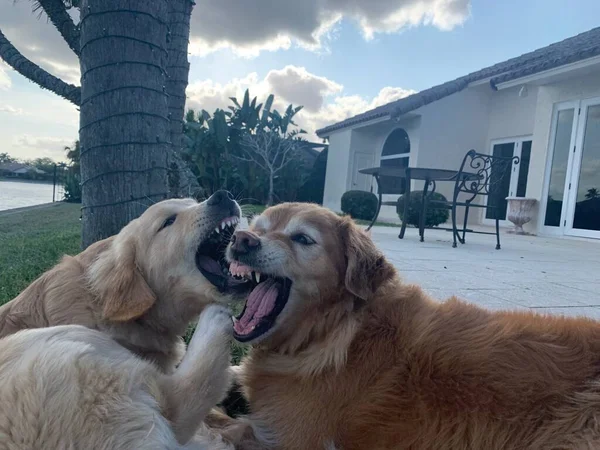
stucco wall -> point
(450, 128)
(511, 115)
(338, 167)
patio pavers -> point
(550, 275)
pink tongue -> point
(260, 304)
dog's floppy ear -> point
(366, 268)
(118, 282)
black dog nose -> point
(243, 242)
(219, 197)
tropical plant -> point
(271, 152)
(73, 174)
(592, 193)
(218, 146)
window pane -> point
(393, 185)
(397, 143)
(587, 208)
(558, 171)
(524, 169)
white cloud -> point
(322, 98)
(38, 40)
(29, 146)
(8, 109)
(248, 28)
(5, 81)
(298, 86)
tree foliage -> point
(73, 174)
(220, 148)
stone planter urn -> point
(521, 210)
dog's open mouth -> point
(210, 256)
(265, 302)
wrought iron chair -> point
(491, 171)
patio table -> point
(427, 174)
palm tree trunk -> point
(178, 69)
(124, 125)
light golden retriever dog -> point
(345, 356)
(143, 286)
(70, 387)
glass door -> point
(583, 213)
(513, 185)
(571, 200)
(560, 155)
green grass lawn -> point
(32, 241)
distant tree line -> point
(44, 166)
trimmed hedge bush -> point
(433, 218)
(359, 204)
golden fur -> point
(359, 360)
(141, 286)
(69, 387)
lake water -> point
(17, 194)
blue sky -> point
(420, 57)
(338, 57)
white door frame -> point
(514, 175)
(560, 230)
(574, 172)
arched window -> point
(395, 153)
(397, 145)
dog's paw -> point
(216, 317)
(214, 323)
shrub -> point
(359, 204)
(434, 217)
(72, 189)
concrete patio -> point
(557, 276)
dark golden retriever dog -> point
(143, 286)
(345, 356)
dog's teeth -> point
(234, 320)
(217, 230)
(257, 276)
(229, 223)
(252, 329)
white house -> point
(543, 106)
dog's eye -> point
(302, 239)
(170, 221)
